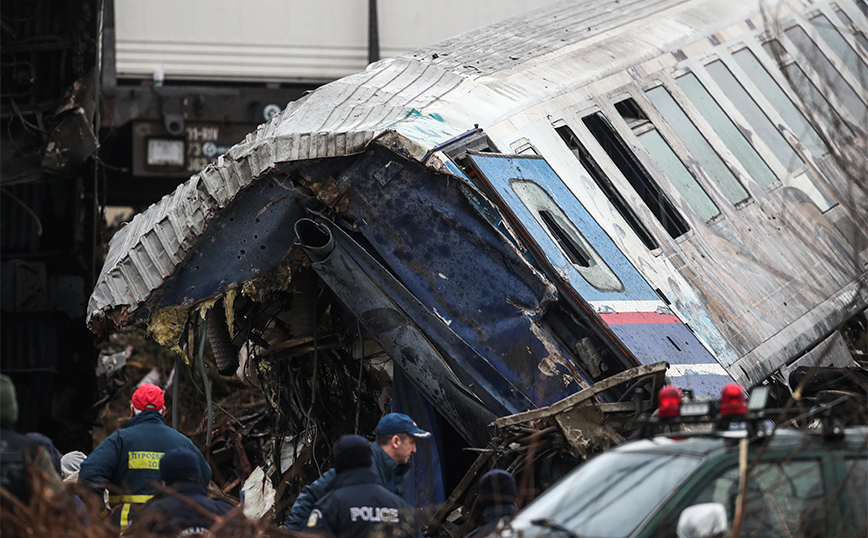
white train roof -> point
(424, 98)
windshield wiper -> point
(554, 525)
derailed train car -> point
(515, 214)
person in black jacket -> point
(357, 504)
(396, 443)
(184, 508)
(25, 466)
(496, 495)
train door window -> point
(753, 114)
(828, 73)
(811, 97)
(860, 37)
(830, 34)
(727, 131)
(636, 175)
(803, 130)
(605, 185)
(672, 166)
(570, 241)
(697, 145)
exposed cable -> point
(29, 211)
(361, 371)
(313, 380)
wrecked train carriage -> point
(669, 196)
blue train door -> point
(593, 269)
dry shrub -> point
(56, 515)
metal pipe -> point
(202, 337)
(373, 33)
(176, 379)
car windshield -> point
(607, 497)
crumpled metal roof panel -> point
(340, 118)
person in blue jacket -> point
(184, 508)
(497, 495)
(357, 504)
(396, 442)
(128, 461)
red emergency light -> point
(668, 402)
(733, 401)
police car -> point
(766, 482)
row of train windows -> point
(718, 116)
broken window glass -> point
(753, 114)
(636, 175)
(696, 143)
(828, 73)
(605, 185)
(726, 130)
(803, 130)
(570, 241)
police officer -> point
(357, 503)
(496, 494)
(129, 459)
(396, 443)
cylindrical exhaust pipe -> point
(314, 238)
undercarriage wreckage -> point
(376, 247)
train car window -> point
(762, 126)
(678, 174)
(697, 145)
(863, 7)
(606, 186)
(830, 34)
(662, 153)
(803, 130)
(828, 73)
(812, 99)
(860, 37)
(580, 254)
(726, 130)
(635, 173)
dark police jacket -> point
(356, 505)
(390, 474)
(17, 454)
(169, 515)
(492, 516)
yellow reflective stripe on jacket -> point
(137, 499)
(125, 515)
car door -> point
(567, 239)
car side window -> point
(856, 489)
(782, 499)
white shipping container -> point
(283, 40)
